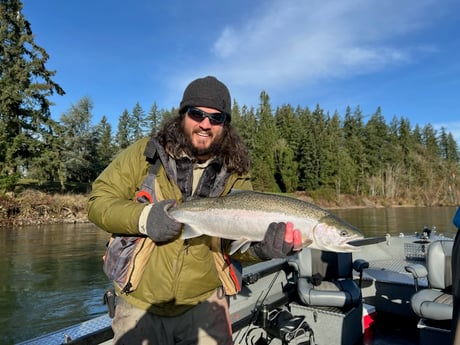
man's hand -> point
(158, 225)
(281, 240)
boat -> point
(273, 305)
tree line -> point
(292, 148)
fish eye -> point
(343, 233)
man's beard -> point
(213, 150)
(210, 151)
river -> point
(51, 276)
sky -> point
(400, 55)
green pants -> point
(208, 323)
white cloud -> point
(292, 41)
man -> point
(456, 280)
(172, 291)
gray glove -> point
(160, 226)
(273, 245)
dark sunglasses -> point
(199, 115)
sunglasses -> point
(199, 115)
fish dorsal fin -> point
(190, 232)
(242, 243)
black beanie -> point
(207, 92)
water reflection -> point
(51, 277)
(396, 220)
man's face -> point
(204, 136)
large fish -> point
(244, 217)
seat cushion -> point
(432, 304)
(341, 293)
(438, 264)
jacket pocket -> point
(125, 260)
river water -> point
(51, 276)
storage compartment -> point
(416, 250)
(434, 332)
(331, 325)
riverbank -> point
(32, 207)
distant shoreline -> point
(33, 207)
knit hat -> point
(207, 92)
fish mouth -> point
(345, 246)
(366, 241)
(354, 244)
(328, 239)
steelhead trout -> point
(244, 217)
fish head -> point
(333, 234)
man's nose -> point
(205, 123)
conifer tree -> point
(377, 152)
(448, 146)
(79, 154)
(105, 146)
(338, 166)
(247, 126)
(263, 156)
(122, 138)
(430, 140)
(154, 118)
(307, 180)
(353, 128)
(25, 84)
(138, 123)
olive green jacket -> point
(176, 275)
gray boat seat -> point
(436, 301)
(326, 278)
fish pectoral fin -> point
(242, 243)
(189, 232)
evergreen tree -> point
(448, 147)
(406, 139)
(307, 178)
(319, 141)
(417, 135)
(285, 167)
(404, 161)
(105, 147)
(353, 128)
(79, 152)
(122, 138)
(430, 140)
(288, 125)
(48, 165)
(247, 127)
(25, 84)
(376, 148)
(263, 157)
(137, 123)
(154, 118)
(338, 165)
(237, 119)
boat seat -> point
(436, 301)
(326, 278)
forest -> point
(293, 148)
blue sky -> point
(401, 55)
